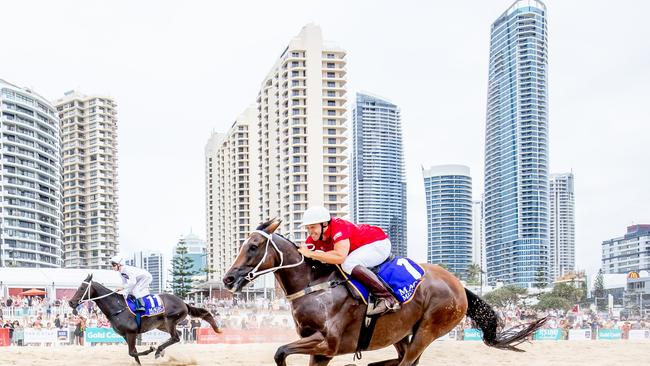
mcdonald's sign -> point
(633, 274)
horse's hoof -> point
(160, 354)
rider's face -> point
(314, 231)
(116, 267)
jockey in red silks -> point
(355, 247)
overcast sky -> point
(180, 70)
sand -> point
(591, 353)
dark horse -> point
(328, 320)
(114, 306)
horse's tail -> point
(487, 320)
(203, 314)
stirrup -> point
(382, 308)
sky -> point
(182, 70)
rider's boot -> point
(368, 278)
(139, 304)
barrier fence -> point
(93, 336)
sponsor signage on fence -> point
(208, 336)
(579, 334)
(154, 336)
(609, 334)
(4, 337)
(473, 335)
(548, 334)
(639, 334)
(33, 335)
(451, 336)
(103, 335)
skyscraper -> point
(562, 225)
(478, 246)
(629, 252)
(516, 147)
(378, 185)
(30, 234)
(232, 185)
(302, 125)
(448, 190)
(89, 140)
(153, 262)
(196, 251)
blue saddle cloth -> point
(153, 305)
(402, 275)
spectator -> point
(79, 330)
(57, 322)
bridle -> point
(87, 291)
(269, 239)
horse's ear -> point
(275, 222)
(90, 277)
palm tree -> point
(474, 274)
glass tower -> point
(516, 148)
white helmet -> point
(315, 215)
(117, 259)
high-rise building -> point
(153, 262)
(448, 190)
(516, 148)
(562, 225)
(629, 252)
(301, 132)
(378, 185)
(232, 191)
(196, 250)
(89, 140)
(30, 228)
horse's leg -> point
(319, 360)
(425, 334)
(130, 340)
(314, 344)
(170, 327)
(401, 350)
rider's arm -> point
(334, 256)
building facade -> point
(90, 209)
(30, 234)
(153, 262)
(448, 190)
(478, 246)
(378, 184)
(302, 132)
(197, 251)
(232, 170)
(562, 251)
(630, 252)
(516, 148)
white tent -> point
(52, 279)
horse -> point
(114, 306)
(328, 320)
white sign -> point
(155, 336)
(639, 334)
(451, 336)
(579, 334)
(40, 335)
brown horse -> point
(123, 322)
(328, 319)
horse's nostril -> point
(228, 280)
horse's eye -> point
(252, 249)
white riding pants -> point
(369, 255)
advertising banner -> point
(33, 335)
(639, 334)
(451, 336)
(103, 335)
(154, 336)
(4, 337)
(208, 336)
(609, 334)
(472, 334)
(579, 334)
(551, 334)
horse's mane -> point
(318, 269)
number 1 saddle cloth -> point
(401, 275)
